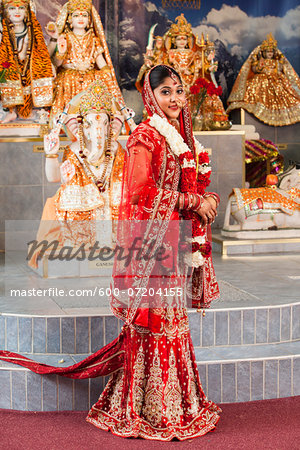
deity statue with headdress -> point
(267, 86)
(182, 52)
(211, 111)
(155, 54)
(80, 54)
(195, 62)
(86, 206)
(29, 78)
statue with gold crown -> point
(29, 78)
(155, 54)
(211, 112)
(267, 86)
(182, 52)
(90, 173)
(194, 62)
(80, 54)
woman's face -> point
(171, 97)
(80, 19)
(181, 41)
(269, 54)
(16, 14)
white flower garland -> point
(195, 259)
(173, 138)
(176, 142)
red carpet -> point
(268, 424)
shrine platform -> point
(247, 346)
(24, 187)
(256, 243)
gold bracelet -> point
(59, 55)
(54, 155)
(106, 69)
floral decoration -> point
(201, 89)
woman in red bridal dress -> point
(154, 391)
(157, 394)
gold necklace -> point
(100, 182)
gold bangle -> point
(106, 67)
(54, 155)
(59, 55)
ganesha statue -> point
(86, 206)
(273, 210)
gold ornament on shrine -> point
(269, 44)
(192, 4)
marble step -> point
(227, 375)
(246, 373)
(232, 243)
(220, 327)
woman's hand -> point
(207, 211)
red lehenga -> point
(154, 391)
(157, 394)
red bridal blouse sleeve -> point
(139, 171)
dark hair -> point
(159, 74)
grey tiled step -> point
(249, 244)
(247, 353)
(24, 390)
(248, 373)
(227, 375)
(79, 334)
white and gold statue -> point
(29, 78)
(259, 212)
(80, 54)
(90, 173)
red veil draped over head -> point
(153, 179)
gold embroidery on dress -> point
(192, 392)
(173, 392)
(116, 395)
(138, 383)
(152, 409)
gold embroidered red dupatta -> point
(156, 209)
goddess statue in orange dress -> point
(267, 86)
(194, 60)
(182, 52)
(23, 50)
(155, 54)
(80, 54)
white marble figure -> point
(95, 133)
(90, 159)
(270, 211)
